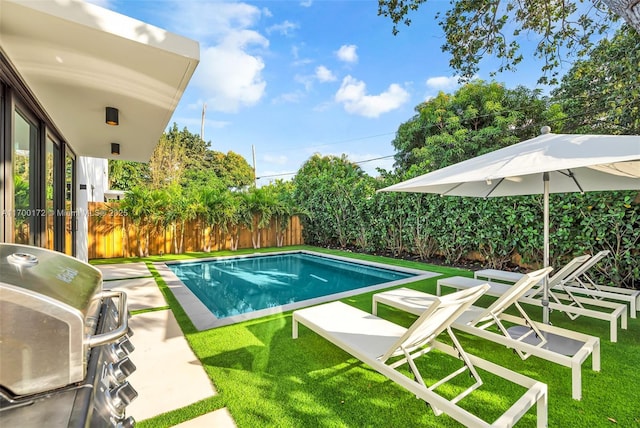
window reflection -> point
(51, 154)
(25, 134)
(69, 232)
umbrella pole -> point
(545, 296)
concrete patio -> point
(168, 375)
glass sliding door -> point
(69, 204)
(36, 168)
(52, 153)
(25, 214)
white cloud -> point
(230, 77)
(347, 53)
(353, 95)
(298, 61)
(304, 79)
(285, 28)
(323, 74)
(213, 19)
(289, 97)
(442, 83)
(306, 3)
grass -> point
(265, 378)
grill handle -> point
(123, 321)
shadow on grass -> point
(265, 378)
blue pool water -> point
(236, 286)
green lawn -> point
(265, 378)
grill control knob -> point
(127, 346)
(127, 423)
(122, 348)
(121, 369)
(122, 396)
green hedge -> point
(496, 229)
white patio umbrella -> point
(549, 163)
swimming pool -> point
(226, 290)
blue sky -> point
(294, 78)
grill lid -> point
(49, 308)
(53, 274)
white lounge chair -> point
(581, 283)
(384, 346)
(477, 321)
(572, 306)
(578, 287)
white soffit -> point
(78, 58)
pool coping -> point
(203, 319)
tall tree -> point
(168, 162)
(193, 145)
(627, 9)
(231, 168)
(601, 94)
(145, 209)
(478, 118)
(182, 157)
(476, 28)
(212, 199)
(124, 175)
(284, 207)
(325, 187)
(260, 204)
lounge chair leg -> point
(595, 357)
(576, 382)
(294, 328)
(613, 330)
(542, 411)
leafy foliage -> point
(601, 94)
(329, 188)
(341, 208)
(478, 118)
(476, 28)
(182, 158)
(344, 211)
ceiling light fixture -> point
(112, 116)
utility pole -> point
(204, 109)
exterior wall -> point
(92, 182)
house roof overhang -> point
(78, 58)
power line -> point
(294, 173)
(584, 113)
(374, 159)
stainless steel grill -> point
(64, 343)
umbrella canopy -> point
(575, 163)
(549, 163)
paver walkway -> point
(168, 375)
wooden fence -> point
(111, 234)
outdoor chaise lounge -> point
(385, 346)
(576, 284)
(530, 341)
(603, 310)
(581, 283)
